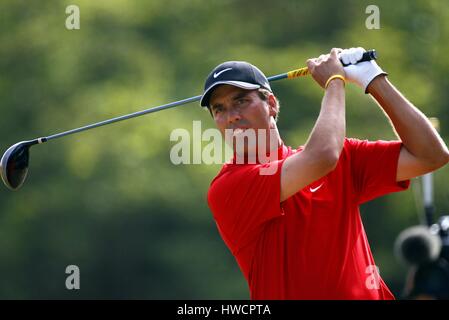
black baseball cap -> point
(235, 73)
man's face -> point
(239, 110)
(233, 108)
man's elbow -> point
(324, 157)
(329, 160)
(444, 158)
(440, 159)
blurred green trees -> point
(109, 200)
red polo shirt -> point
(312, 245)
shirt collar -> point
(282, 152)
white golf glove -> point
(361, 73)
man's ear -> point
(272, 105)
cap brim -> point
(244, 85)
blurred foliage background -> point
(110, 201)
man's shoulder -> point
(234, 171)
(231, 170)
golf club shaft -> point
(368, 55)
(121, 118)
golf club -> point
(14, 163)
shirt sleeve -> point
(374, 167)
(242, 200)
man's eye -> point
(242, 101)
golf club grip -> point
(367, 56)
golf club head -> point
(14, 164)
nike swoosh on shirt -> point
(315, 189)
(216, 74)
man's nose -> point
(234, 115)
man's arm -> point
(323, 148)
(423, 149)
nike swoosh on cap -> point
(216, 74)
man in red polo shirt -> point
(296, 231)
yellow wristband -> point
(335, 76)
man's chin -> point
(245, 143)
(246, 153)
